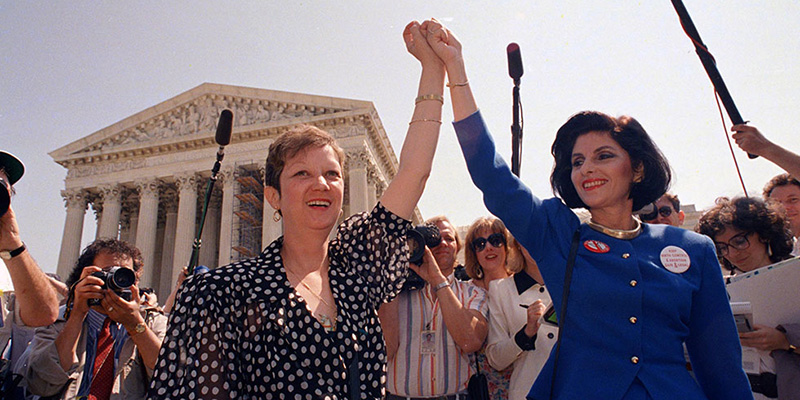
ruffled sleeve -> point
(373, 246)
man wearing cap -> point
(36, 301)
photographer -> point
(430, 332)
(36, 300)
(106, 350)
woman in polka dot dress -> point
(299, 321)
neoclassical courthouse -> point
(145, 177)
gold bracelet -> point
(425, 120)
(432, 96)
(452, 85)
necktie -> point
(103, 372)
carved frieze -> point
(201, 115)
(81, 171)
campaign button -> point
(596, 246)
(675, 259)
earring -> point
(276, 216)
(769, 249)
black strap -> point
(562, 315)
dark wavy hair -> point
(748, 214)
(112, 246)
(631, 136)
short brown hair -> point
(288, 144)
(673, 198)
(442, 218)
(494, 225)
(779, 180)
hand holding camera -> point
(419, 240)
(103, 289)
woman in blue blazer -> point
(639, 292)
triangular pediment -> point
(188, 121)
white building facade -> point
(145, 177)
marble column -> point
(226, 215)
(168, 249)
(372, 186)
(112, 205)
(357, 162)
(76, 202)
(270, 230)
(186, 225)
(210, 236)
(147, 225)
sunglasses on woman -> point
(738, 242)
(495, 239)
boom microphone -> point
(223, 137)
(514, 62)
(224, 127)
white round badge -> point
(675, 259)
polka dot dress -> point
(241, 331)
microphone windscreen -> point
(514, 61)
(224, 127)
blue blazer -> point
(629, 315)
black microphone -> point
(224, 129)
(514, 62)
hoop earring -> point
(276, 216)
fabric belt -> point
(457, 396)
(765, 383)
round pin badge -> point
(675, 259)
(596, 246)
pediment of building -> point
(188, 122)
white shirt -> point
(506, 318)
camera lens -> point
(5, 197)
(121, 277)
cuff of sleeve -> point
(523, 341)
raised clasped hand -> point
(442, 41)
(415, 37)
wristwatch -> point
(140, 327)
(441, 286)
(9, 254)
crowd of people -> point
(550, 308)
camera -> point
(5, 196)
(417, 239)
(118, 279)
(648, 213)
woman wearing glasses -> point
(638, 291)
(485, 260)
(750, 234)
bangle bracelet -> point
(452, 85)
(425, 120)
(440, 286)
(432, 96)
